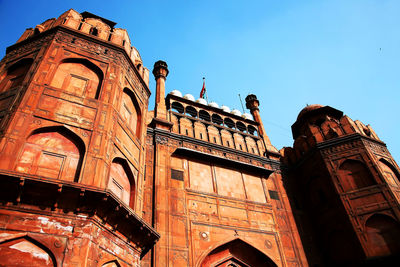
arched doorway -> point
(25, 252)
(236, 253)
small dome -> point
(247, 116)
(176, 93)
(308, 109)
(201, 101)
(225, 108)
(236, 112)
(213, 104)
(189, 97)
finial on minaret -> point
(160, 69)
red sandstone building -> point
(90, 177)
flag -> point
(203, 90)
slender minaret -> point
(252, 104)
(160, 73)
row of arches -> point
(214, 118)
(79, 77)
(220, 136)
(58, 153)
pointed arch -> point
(15, 74)
(53, 152)
(113, 263)
(191, 111)
(177, 107)
(130, 111)
(383, 235)
(78, 76)
(237, 252)
(389, 171)
(18, 251)
(354, 174)
(122, 181)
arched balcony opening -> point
(191, 111)
(204, 115)
(217, 119)
(177, 107)
(229, 123)
(241, 127)
(252, 130)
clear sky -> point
(345, 54)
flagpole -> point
(205, 89)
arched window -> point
(240, 126)
(15, 75)
(216, 119)
(354, 175)
(237, 253)
(204, 115)
(94, 31)
(252, 130)
(130, 111)
(23, 250)
(229, 123)
(177, 107)
(383, 234)
(191, 111)
(389, 172)
(79, 77)
(52, 152)
(121, 181)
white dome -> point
(247, 116)
(236, 112)
(189, 97)
(176, 93)
(225, 108)
(213, 104)
(201, 101)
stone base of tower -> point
(52, 223)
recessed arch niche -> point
(354, 175)
(15, 74)
(79, 77)
(53, 152)
(130, 111)
(23, 250)
(383, 235)
(122, 182)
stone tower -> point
(73, 103)
(345, 189)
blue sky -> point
(345, 54)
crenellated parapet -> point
(316, 124)
(95, 26)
